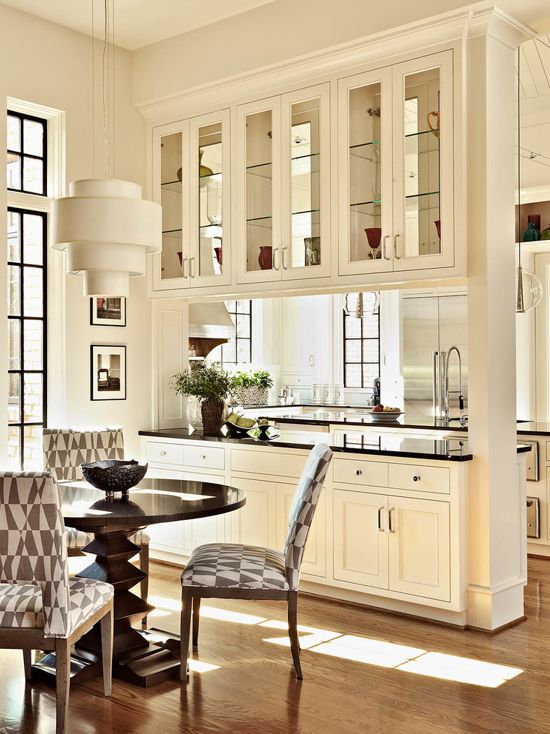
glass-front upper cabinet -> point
(423, 230)
(191, 173)
(209, 262)
(283, 198)
(365, 172)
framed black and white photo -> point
(108, 372)
(107, 311)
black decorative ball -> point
(114, 475)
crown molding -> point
(445, 28)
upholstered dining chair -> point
(231, 571)
(65, 450)
(40, 607)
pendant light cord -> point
(105, 70)
(519, 160)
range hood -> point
(210, 321)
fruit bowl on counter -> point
(382, 413)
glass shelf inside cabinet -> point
(364, 150)
(172, 186)
(174, 233)
(263, 170)
(266, 222)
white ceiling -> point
(137, 22)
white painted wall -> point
(51, 65)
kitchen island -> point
(391, 529)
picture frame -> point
(107, 311)
(107, 372)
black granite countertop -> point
(318, 415)
(534, 428)
(375, 444)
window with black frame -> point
(27, 232)
(361, 349)
(238, 349)
(26, 154)
(27, 228)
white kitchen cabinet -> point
(419, 547)
(191, 175)
(255, 523)
(360, 538)
(314, 562)
(397, 543)
(283, 187)
(395, 167)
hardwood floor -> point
(254, 689)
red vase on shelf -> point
(218, 252)
(265, 258)
(437, 223)
(374, 236)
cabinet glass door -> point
(172, 186)
(208, 262)
(425, 174)
(305, 185)
(259, 152)
(365, 172)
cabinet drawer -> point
(276, 463)
(370, 473)
(164, 453)
(183, 456)
(205, 456)
(419, 478)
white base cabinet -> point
(384, 527)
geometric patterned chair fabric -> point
(66, 449)
(233, 571)
(35, 590)
(248, 567)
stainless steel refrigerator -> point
(432, 324)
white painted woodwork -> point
(254, 524)
(314, 562)
(360, 545)
(275, 463)
(419, 547)
(351, 470)
(419, 478)
(170, 344)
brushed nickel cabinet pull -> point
(391, 526)
(395, 247)
(380, 528)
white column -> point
(496, 532)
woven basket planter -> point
(251, 396)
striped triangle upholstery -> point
(66, 449)
(34, 581)
(232, 566)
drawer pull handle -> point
(359, 472)
(163, 453)
(203, 457)
(416, 478)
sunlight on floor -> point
(461, 670)
(197, 666)
(358, 649)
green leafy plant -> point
(206, 382)
(259, 378)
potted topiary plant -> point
(251, 388)
(211, 384)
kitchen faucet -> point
(446, 391)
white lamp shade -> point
(106, 228)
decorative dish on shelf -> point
(385, 413)
(265, 432)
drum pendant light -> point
(529, 290)
(104, 226)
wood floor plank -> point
(252, 689)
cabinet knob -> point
(416, 478)
(203, 457)
(359, 472)
(163, 453)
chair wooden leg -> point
(186, 605)
(196, 619)
(62, 682)
(27, 663)
(144, 566)
(293, 631)
(107, 651)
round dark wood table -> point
(141, 657)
